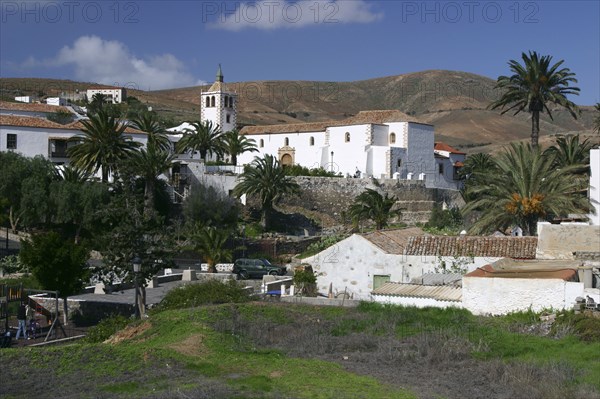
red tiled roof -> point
(33, 107)
(41, 123)
(28, 121)
(392, 241)
(489, 271)
(445, 147)
(496, 247)
(376, 117)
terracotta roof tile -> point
(488, 271)
(33, 107)
(445, 147)
(496, 247)
(392, 241)
(362, 118)
(27, 121)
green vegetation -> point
(373, 206)
(324, 243)
(107, 327)
(298, 170)
(209, 292)
(444, 221)
(257, 350)
(534, 86)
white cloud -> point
(110, 62)
(276, 14)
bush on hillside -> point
(106, 328)
(206, 293)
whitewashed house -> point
(115, 95)
(595, 186)
(31, 136)
(56, 101)
(448, 162)
(363, 262)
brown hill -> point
(455, 102)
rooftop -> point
(566, 274)
(376, 117)
(442, 293)
(497, 247)
(31, 107)
(393, 241)
(439, 146)
(41, 123)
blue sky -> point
(159, 44)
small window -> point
(228, 118)
(207, 102)
(312, 140)
(399, 164)
(11, 141)
(212, 101)
(262, 143)
(392, 138)
(226, 101)
(286, 142)
(231, 102)
(441, 168)
(347, 139)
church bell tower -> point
(219, 105)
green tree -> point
(149, 123)
(569, 151)
(103, 145)
(206, 205)
(211, 243)
(524, 188)
(206, 138)
(24, 188)
(58, 264)
(61, 117)
(236, 144)
(374, 206)
(149, 163)
(533, 86)
(265, 178)
(475, 165)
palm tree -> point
(205, 138)
(236, 144)
(524, 188)
(210, 242)
(535, 85)
(568, 150)
(102, 145)
(474, 165)
(150, 163)
(374, 206)
(148, 122)
(265, 178)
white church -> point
(386, 144)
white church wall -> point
(595, 186)
(380, 135)
(380, 168)
(349, 155)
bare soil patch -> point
(128, 333)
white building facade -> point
(115, 95)
(595, 186)
(218, 105)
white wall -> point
(560, 241)
(595, 186)
(352, 263)
(56, 101)
(496, 296)
(416, 302)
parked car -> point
(256, 268)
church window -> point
(399, 163)
(286, 141)
(228, 118)
(212, 101)
(231, 102)
(207, 102)
(347, 139)
(262, 143)
(441, 168)
(392, 138)
(312, 140)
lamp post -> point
(137, 268)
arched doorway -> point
(287, 160)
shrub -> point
(305, 281)
(205, 293)
(585, 327)
(445, 221)
(11, 264)
(324, 243)
(106, 328)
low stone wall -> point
(320, 301)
